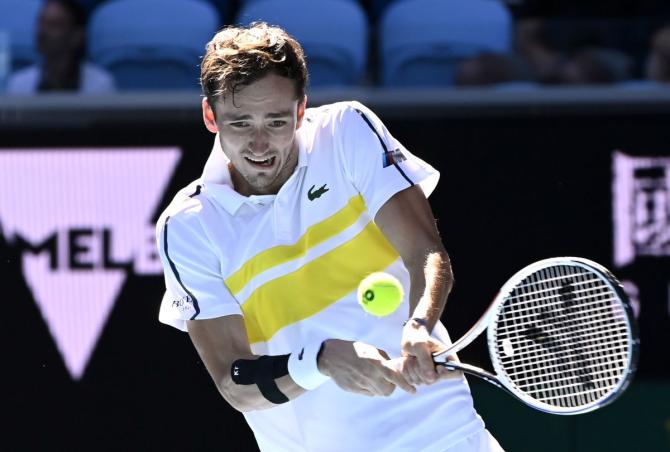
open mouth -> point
(266, 163)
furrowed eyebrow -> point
(234, 117)
(228, 117)
(281, 114)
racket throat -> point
(476, 371)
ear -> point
(208, 116)
(301, 111)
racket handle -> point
(472, 370)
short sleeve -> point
(193, 281)
(378, 165)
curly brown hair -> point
(238, 56)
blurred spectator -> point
(597, 66)
(533, 46)
(658, 65)
(491, 69)
(61, 33)
(89, 5)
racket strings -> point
(583, 396)
(597, 315)
(585, 374)
(551, 370)
(562, 337)
(549, 301)
(593, 345)
(532, 293)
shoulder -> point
(339, 122)
(23, 81)
(336, 112)
(185, 209)
(193, 231)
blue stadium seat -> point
(224, 7)
(19, 19)
(243, 2)
(422, 41)
(152, 44)
(333, 33)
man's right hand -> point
(361, 368)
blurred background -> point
(548, 120)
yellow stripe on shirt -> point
(316, 285)
(315, 234)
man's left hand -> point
(417, 349)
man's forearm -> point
(431, 284)
(248, 381)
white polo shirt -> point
(290, 264)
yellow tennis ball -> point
(380, 294)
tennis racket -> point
(561, 337)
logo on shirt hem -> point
(185, 303)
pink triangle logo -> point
(83, 220)
(74, 306)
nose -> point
(259, 143)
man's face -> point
(57, 32)
(257, 130)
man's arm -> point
(407, 222)
(354, 366)
(222, 341)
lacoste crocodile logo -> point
(313, 194)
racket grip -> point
(472, 370)
(446, 364)
(441, 359)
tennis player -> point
(263, 255)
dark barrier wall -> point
(514, 189)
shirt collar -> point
(218, 182)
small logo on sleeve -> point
(302, 352)
(313, 194)
(392, 157)
(185, 303)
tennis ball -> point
(380, 294)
